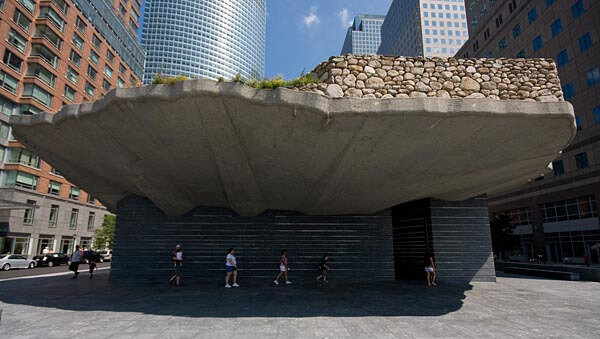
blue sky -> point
(303, 33)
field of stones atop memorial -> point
(375, 76)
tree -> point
(104, 237)
(503, 238)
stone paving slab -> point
(517, 307)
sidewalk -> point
(59, 307)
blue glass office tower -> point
(204, 38)
(364, 36)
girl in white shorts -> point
(283, 268)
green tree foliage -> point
(104, 237)
(503, 238)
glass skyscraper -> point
(204, 38)
(424, 28)
(364, 36)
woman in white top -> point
(231, 268)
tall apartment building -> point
(424, 28)
(54, 53)
(557, 214)
(364, 36)
(204, 38)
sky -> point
(303, 33)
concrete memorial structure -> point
(373, 183)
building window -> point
(21, 179)
(597, 114)
(562, 58)
(41, 73)
(502, 44)
(108, 71)
(110, 56)
(54, 187)
(17, 40)
(8, 82)
(45, 54)
(581, 160)
(593, 77)
(24, 157)
(92, 73)
(81, 26)
(568, 91)
(56, 172)
(122, 69)
(6, 108)
(105, 85)
(28, 4)
(499, 21)
(556, 27)
(512, 6)
(532, 15)
(120, 83)
(72, 75)
(74, 194)
(96, 41)
(537, 43)
(577, 9)
(37, 93)
(29, 213)
(571, 209)
(52, 16)
(22, 20)
(549, 3)
(518, 216)
(75, 58)
(90, 224)
(521, 54)
(69, 93)
(94, 57)
(516, 31)
(558, 167)
(53, 219)
(73, 219)
(585, 42)
(89, 89)
(4, 130)
(78, 41)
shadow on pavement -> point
(201, 299)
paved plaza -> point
(59, 307)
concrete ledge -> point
(543, 273)
(203, 143)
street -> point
(17, 273)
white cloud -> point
(345, 18)
(312, 18)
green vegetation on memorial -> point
(276, 82)
(159, 79)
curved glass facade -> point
(204, 38)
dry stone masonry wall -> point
(376, 76)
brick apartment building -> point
(556, 214)
(54, 53)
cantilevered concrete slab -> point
(203, 143)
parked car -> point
(107, 255)
(91, 255)
(8, 261)
(51, 259)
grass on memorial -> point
(267, 83)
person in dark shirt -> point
(177, 258)
(323, 268)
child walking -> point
(283, 268)
(92, 268)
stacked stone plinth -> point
(376, 76)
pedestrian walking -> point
(283, 268)
(177, 259)
(323, 268)
(92, 267)
(430, 270)
(231, 268)
(75, 260)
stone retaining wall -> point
(376, 76)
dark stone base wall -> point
(457, 234)
(360, 247)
